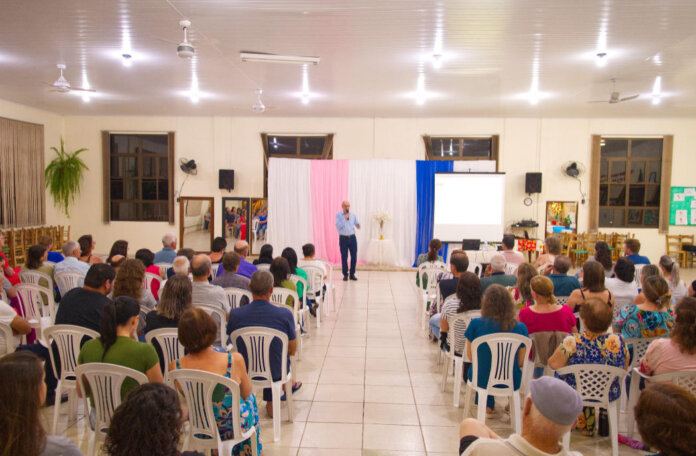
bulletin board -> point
(682, 206)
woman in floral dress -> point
(593, 346)
(652, 318)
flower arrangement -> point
(381, 217)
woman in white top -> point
(552, 248)
(670, 271)
(623, 286)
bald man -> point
(245, 269)
(346, 223)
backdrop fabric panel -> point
(329, 187)
(425, 188)
(289, 204)
(385, 186)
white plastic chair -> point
(35, 277)
(168, 341)
(68, 339)
(235, 295)
(67, 280)
(257, 340)
(263, 267)
(38, 315)
(504, 348)
(163, 268)
(149, 279)
(427, 292)
(638, 275)
(511, 268)
(457, 328)
(214, 268)
(683, 379)
(476, 268)
(304, 308)
(197, 388)
(315, 287)
(561, 300)
(640, 346)
(105, 381)
(330, 288)
(279, 298)
(8, 337)
(214, 311)
(593, 383)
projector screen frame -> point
(468, 173)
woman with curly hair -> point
(21, 431)
(497, 316)
(522, 293)
(147, 423)
(468, 298)
(129, 282)
(593, 346)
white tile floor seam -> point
(371, 383)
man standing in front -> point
(346, 223)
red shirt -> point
(560, 320)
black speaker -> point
(532, 183)
(226, 179)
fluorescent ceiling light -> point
(657, 90)
(275, 58)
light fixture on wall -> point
(261, 57)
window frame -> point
(495, 148)
(106, 157)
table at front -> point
(382, 252)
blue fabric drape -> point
(425, 184)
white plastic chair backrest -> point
(639, 273)
(683, 379)
(511, 268)
(105, 381)
(49, 263)
(3, 295)
(593, 381)
(279, 298)
(257, 340)
(640, 346)
(430, 270)
(163, 268)
(329, 269)
(457, 328)
(168, 340)
(214, 311)
(315, 278)
(562, 300)
(34, 277)
(149, 278)
(255, 224)
(6, 335)
(263, 267)
(297, 279)
(475, 268)
(215, 267)
(503, 347)
(31, 297)
(67, 280)
(197, 388)
(68, 339)
(235, 295)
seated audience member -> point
(187, 252)
(263, 225)
(218, 250)
(265, 255)
(83, 306)
(563, 284)
(245, 268)
(468, 298)
(71, 262)
(260, 312)
(522, 292)
(7, 287)
(678, 351)
(670, 271)
(432, 256)
(87, 245)
(603, 256)
(147, 258)
(552, 248)
(177, 297)
(632, 250)
(21, 428)
(550, 411)
(495, 274)
(168, 253)
(197, 332)
(646, 271)
(592, 287)
(623, 286)
(155, 411)
(116, 261)
(308, 259)
(652, 318)
(459, 262)
(511, 256)
(593, 346)
(180, 266)
(119, 247)
(36, 255)
(47, 241)
(666, 417)
(129, 282)
(290, 255)
(19, 326)
(118, 345)
(280, 269)
(230, 278)
(203, 291)
(692, 289)
(497, 316)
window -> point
(459, 148)
(629, 175)
(138, 176)
(313, 147)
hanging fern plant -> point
(64, 175)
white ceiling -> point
(371, 53)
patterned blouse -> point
(634, 322)
(608, 349)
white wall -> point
(526, 145)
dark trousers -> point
(42, 352)
(348, 244)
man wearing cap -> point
(550, 410)
(495, 273)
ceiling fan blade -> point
(79, 89)
(598, 101)
(632, 97)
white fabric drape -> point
(289, 204)
(385, 186)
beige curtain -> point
(22, 189)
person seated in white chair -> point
(623, 286)
(168, 252)
(550, 410)
(511, 255)
(495, 274)
(71, 262)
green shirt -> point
(125, 352)
(290, 285)
(300, 287)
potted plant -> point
(64, 175)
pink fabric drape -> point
(328, 187)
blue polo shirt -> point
(563, 284)
(638, 259)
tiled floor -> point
(371, 383)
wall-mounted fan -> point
(189, 168)
(574, 170)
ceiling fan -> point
(615, 96)
(184, 49)
(63, 86)
(259, 107)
